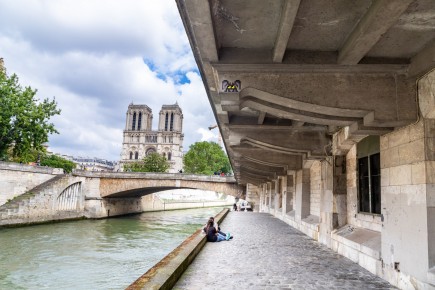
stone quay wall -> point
(16, 179)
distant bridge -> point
(136, 184)
(31, 194)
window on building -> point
(169, 155)
(164, 154)
(150, 150)
(172, 122)
(131, 155)
(133, 125)
(139, 123)
(136, 155)
(369, 175)
(166, 121)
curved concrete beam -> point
(298, 105)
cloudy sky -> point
(96, 57)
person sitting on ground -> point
(216, 226)
(213, 235)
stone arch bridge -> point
(130, 185)
(31, 194)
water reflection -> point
(92, 254)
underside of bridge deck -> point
(284, 76)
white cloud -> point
(92, 55)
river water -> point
(93, 254)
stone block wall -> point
(16, 179)
(46, 203)
(406, 176)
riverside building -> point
(139, 140)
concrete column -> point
(264, 196)
(291, 190)
(273, 195)
(260, 206)
(269, 196)
(284, 194)
(276, 195)
(333, 199)
(302, 209)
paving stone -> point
(266, 253)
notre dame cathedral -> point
(140, 140)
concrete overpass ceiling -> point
(412, 32)
(233, 20)
(284, 76)
(323, 25)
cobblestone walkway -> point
(266, 253)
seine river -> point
(93, 254)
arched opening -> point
(169, 155)
(171, 127)
(131, 155)
(150, 150)
(136, 155)
(133, 125)
(139, 123)
(166, 121)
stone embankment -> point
(165, 274)
(42, 204)
(17, 179)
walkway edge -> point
(166, 273)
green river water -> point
(93, 254)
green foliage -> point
(154, 162)
(206, 158)
(24, 126)
(57, 162)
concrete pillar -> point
(302, 209)
(291, 190)
(265, 197)
(333, 199)
(276, 196)
(339, 188)
(260, 206)
(269, 196)
(280, 193)
(284, 194)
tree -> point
(24, 126)
(154, 162)
(206, 158)
(57, 162)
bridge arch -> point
(127, 185)
(69, 198)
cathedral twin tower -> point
(139, 139)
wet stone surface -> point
(266, 253)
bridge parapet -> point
(155, 176)
(136, 184)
